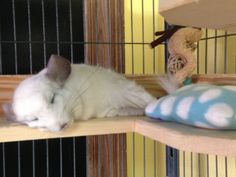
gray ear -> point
(10, 115)
(58, 69)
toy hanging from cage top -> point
(181, 47)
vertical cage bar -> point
(57, 28)
(109, 33)
(3, 160)
(155, 159)
(132, 34)
(166, 49)
(19, 158)
(133, 154)
(208, 173)
(47, 158)
(44, 34)
(74, 158)
(0, 50)
(215, 53)
(29, 36)
(71, 34)
(123, 168)
(14, 36)
(153, 38)
(61, 158)
(96, 29)
(110, 143)
(184, 163)
(225, 53)
(226, 167)
(33, 158)
(199, 166)
(144, 156)
(172, 162)
(191, 164)
(217, 166)
(143, 37)
(99, 157)
(198, 57)
(206, 51)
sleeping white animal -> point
(62, 93)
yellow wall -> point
(145, 156)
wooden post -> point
(104, 37)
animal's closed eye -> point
(53, 98)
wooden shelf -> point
(173, 134)
(215, 14)
(179, 136)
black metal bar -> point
(57, 27)
(220, 36)
(166, 49)
(61, 158)
(30, 38)
(0, 49)
(14, 34)
(71, 33)
(44, 34)
(47, 158)
(33, 158)
(19, 158)
(172, 162)
(74, 158)
(3, 161)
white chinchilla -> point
(62, 93)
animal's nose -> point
(10, 115)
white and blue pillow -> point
(199, 105)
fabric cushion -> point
(200, 105)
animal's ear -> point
(58, 69)
(10, 115)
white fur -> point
(88, 92)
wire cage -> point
(115, 34)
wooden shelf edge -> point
(187, 138)
(179, 136)
(12, 132)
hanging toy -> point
(181, 46)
